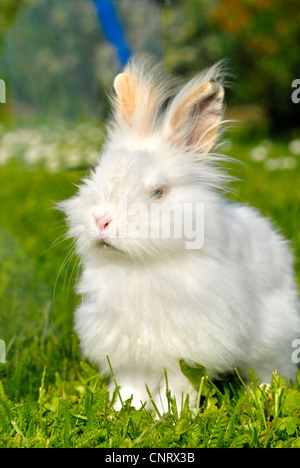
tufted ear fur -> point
(140, 91)
(194, 115)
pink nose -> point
(102, 223)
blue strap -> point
(112, 29)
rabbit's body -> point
(149, 302)
(233, 307)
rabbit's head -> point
(156, 175)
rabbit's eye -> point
(158, 192)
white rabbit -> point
(149, 301)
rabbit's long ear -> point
(127, 89)
(138, 97)
(194, 115)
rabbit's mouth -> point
(107, 245)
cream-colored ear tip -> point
(119, 82)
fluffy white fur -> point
(147, 303)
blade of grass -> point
(19, 432)
(153, 402)
(114, 379)
(199, 394)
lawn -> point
(49, 396)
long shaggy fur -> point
(149, 302)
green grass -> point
(50, 397)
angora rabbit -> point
(171, 269)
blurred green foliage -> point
(260, 39)
(8, 11)
(49, 61)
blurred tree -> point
(50, 60)
(8, 11)
(261, 37)
(265, 37)
(56, 60)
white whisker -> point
(66, 259)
